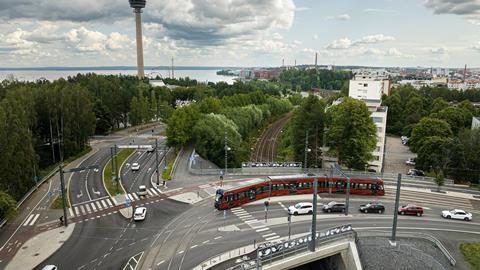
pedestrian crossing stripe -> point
(104, 204)
(88, 208)
(93, 207)
(98, 204)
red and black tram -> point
(256, 189)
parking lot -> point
(395, 156)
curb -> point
(120, 172)
(91, 153)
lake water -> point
(32, 75)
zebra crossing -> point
(255, 224)
(101, 204)
(30, 221)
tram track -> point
(266, 148)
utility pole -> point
(306, 151)
(314, 215)
(347, 203)
(226, 150)
(116, 166)
(156, 161)
(395, 212)
(64, 201)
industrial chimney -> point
(137, 6)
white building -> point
(417, 84)
(475, 122)
(370, 88)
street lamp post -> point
(306, 151)
(314, 215)
(226, 148)
(156, 162)
(62, 186)
(347, 199)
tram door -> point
(252, 194)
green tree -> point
(209, 133)
(439, 180)
(8, 206)
(434, 154)
(457, 118)
(180, 125)
(428, 127)
(352, 133)
(104, 117)
(210, 105)
(439, 104)
(154, 111)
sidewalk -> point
(39, 248)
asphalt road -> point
(108, 242)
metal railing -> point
(404, 234)
(29, 193)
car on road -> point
(415, 172)
(372, 208)
(333, 207)
(410, 209)
(135, 166)
(410, 161)
(404, 140)
(142, 191)
(301, 208)
(50, 267)
(150, 149)
(457, 214)
(140, 213)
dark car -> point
(415, 172)
(334, 207)
(372, 208)
(410, 209)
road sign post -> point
(289, 219)
(395, 212)
(314, 215)
(156, 161)
(64, 201)
(266, 203)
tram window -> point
(241, 195)
(266, 188)
(259, 190)
(230, 198)
(275, 187)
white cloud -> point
(476, 46)
(378, 10)
(469, 9)
(341, 17)
(374, 39)
(439, 50)
(315, 37)
(342, 43)
(117, 41)
(84, 40)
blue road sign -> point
(221, 172)
(50, 194)
(127, 201)
(114, 178)
(35, 178)
(194, 161)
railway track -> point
(265, 149)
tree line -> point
(346, 129)
(438, 123)
(306, 79)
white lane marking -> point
(251, 221)
(130, 197)
(149, 193)
(34, 219)
(28, 219)
(76, 210)
(99, 206)
(268, 235)
(206, 241)
(88, 208)
(93, 207)
(104, 204)
(71, 212)
(242, 215)
(194, 246)
(109, 203)
(263, 229)
(271, 238)
(135, 196)
(160, 262)
(153, 191)
(218, 237)
(180, 252)
(83, 210)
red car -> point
(410, 209)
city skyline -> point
(242, 33)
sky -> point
(404, 33)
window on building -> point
(377, 119)
(376, 157)
(378, 149)
(379, 129)
(365, 85)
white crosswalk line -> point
(268, 235)
(104, 204)
(109, 203)
(83, 210)
(93, 207)
(88, 208)
(34, 219)
(71, 212)
(153, 191)
(251, 221)
(130, 197)
(149, 193)
(271, 238)
(28, 220)
(242, 215)
(99, 206)
(135, 196)
(76, 210)
(262, 230)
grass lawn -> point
(166, 175)
(107, 176)
(471, 252)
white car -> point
(410, 161)
(301, 208)
(140, 213)
(50, 267)
(135, 166)
(142, 191)
(150, 149)
(457, 214)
